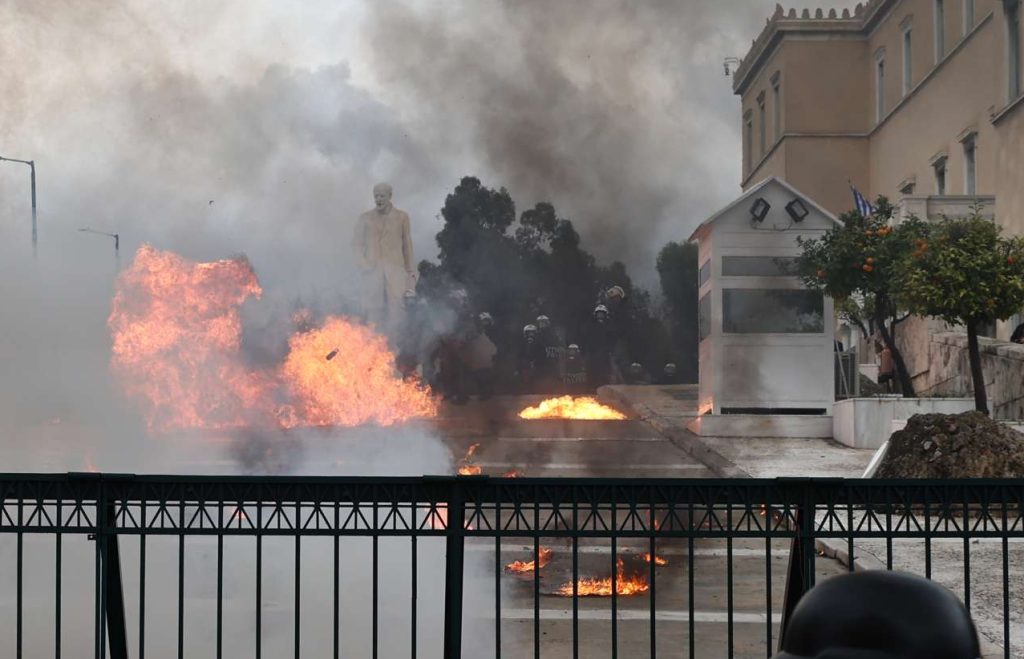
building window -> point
(940, 176)
(748, 142)
(968, 15)
(704, 316)
(1013, 47)
(970, 165)
(761, 125)
(776, 107)
(880, 89)
(772, 311)
(940, 29)
(907, 188)
(907, 62)
(704, 273)
(759, 266)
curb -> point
(724, 468)
(680, 437)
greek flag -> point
(862, 204)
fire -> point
(177, 336)
(567, 407)
(658, 560)
(466, 467)
(358, 385)
(512, 473)
(520, 567)
(590, 587)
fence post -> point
(113, 601)
(454, 559)
(800, 576)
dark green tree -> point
(677, 272)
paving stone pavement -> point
(670, 409)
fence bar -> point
(114, 592)
(455, 546)
(800, 577)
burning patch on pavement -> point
(567, 407)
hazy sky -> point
(141, 112)
(260, 126)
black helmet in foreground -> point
(879, 615)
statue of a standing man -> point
(382, 246)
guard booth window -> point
(772, 311)
(758, 266)
(704, 316)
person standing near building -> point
(886, 366)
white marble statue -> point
(382, 246)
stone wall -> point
(948, 371)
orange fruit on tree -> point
(867, 268)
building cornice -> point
(780, 24)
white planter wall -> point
(868, 422)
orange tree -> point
(964, 272)
(856, 264)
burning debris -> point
(177, 347)
(567, 407)
(658, 560)
(524, 567)
(465, 466)
(634, 584)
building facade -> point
(919, 100)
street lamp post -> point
(32, 166)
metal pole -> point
(32, 166)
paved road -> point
(632, 449)
(544, 448)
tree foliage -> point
(518, 269)
(964, 272)
(856, 263)
(677, 272)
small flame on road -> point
(466, 466)
(592, 587)
(567, 407)
(658, 560)
(522, 567)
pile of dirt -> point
(967, 445)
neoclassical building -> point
(919, 100)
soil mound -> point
(967, 445)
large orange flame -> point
(177, 348)
(177, 334)
(357, 385)
(592, 587)
(567, 407)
